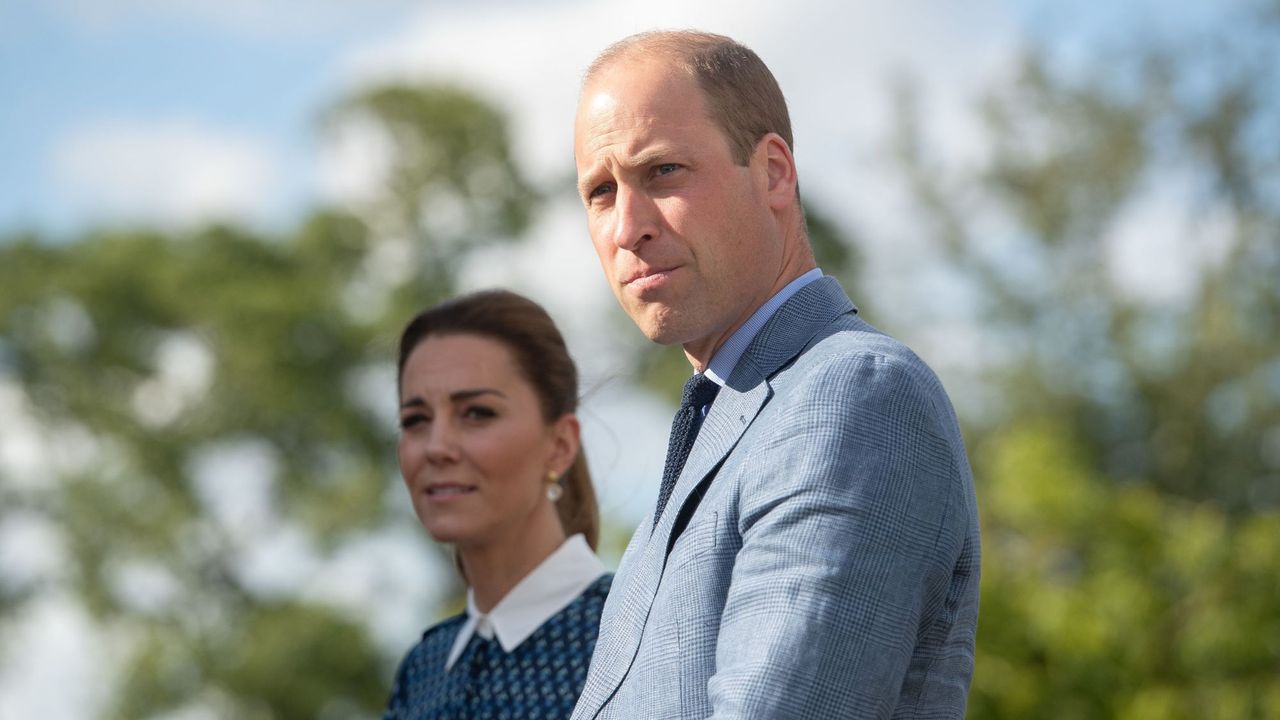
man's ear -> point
(779, 170)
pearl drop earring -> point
(554, 489)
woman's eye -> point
(410, 421)
(479, 412)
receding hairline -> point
(674, 46)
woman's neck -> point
(494, 569)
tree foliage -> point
(1172, 148)
(146, 357)
(1117, 601)
(1129, 474)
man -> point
(816, 555)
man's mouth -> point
(647, 278)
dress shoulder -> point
(600, 587)
(443, 632)
(433, 648)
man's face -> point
(685, 235)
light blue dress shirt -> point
(726, 358)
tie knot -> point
(699, 391)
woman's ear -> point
(565, 443)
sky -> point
(177, 112)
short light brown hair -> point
(742, 96)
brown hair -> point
(540, 353)
(742, 95)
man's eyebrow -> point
(649, 156)
(642, 159)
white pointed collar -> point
(546, 590)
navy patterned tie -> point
(699, 391)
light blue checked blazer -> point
(824, 559)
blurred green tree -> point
(1102, 600)
(146, 357)
(1129, 458)
(1162, 155)
(451, 183)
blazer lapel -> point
(729, 417)
(793, 326)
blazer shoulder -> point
(853, 356)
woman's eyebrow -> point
(456, 396)
(470, 393)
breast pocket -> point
(698, 539)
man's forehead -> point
(637, 96)
(640, 73)
(620, 131)
(596, 105)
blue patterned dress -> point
(540, 679)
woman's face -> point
(475, 451)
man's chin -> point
(668, 331)
(664, 324)
(656, 323)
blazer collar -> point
(790, 331)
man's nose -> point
(636, 216)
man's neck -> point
(701, 352)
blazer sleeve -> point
(852, 521)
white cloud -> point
(353, 162)
(32, 549)
(184, 366)
(1164, 240)
(22, 445)
(54, 665)
(170, 172)
(235, 481)
(278, 560)
(390, 578)
(144, 586)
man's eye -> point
(666, 168)
(600, 190)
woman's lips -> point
(447, 490)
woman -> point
(490, 453)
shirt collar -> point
(545, 591)
(726, 358)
